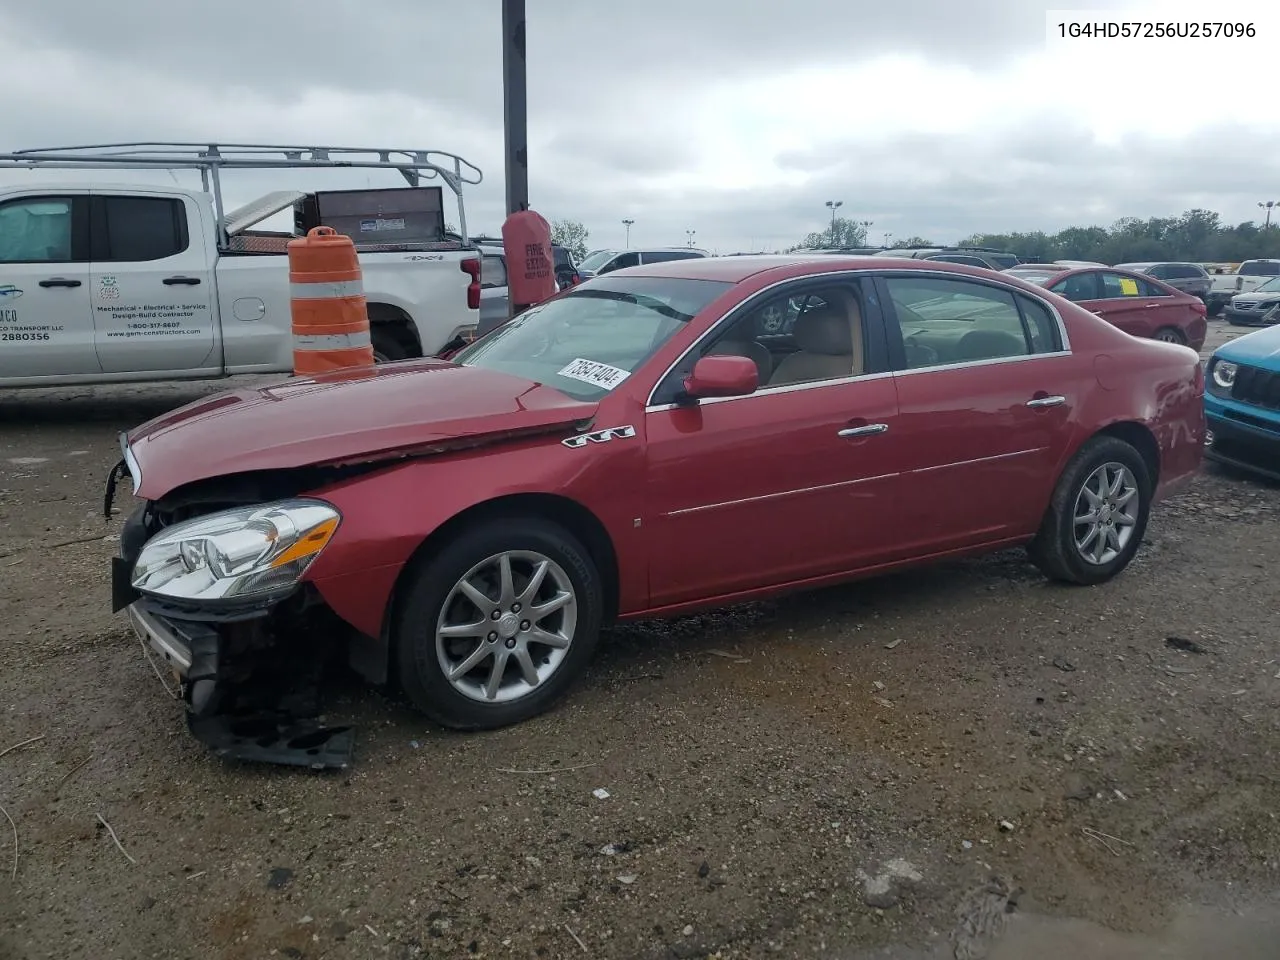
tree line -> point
(1197, 236)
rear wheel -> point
(498, 624)
(1097, 515)
(387, 345)
(1170, 335)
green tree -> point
(571, 235)
(841, 233)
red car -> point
(1136, 303)
(643, 445)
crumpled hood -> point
(347, 416)
(1260, 348)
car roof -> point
(737, 269)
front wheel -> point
(1097, 515)
(498, 624)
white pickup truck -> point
(1250, 275)
(114, 283)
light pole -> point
(1268, 204)
(690, 234)
(834, 205)
(515, 106)
(866, 229)
(887, 238)
(627, 224)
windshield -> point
(588, 341)
(1260, 268)
(1271, 286)
(1002, 260)
(596, 260)
(1040, 277)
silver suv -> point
(1188, 277)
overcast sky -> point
(734, 119)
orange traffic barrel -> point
(327, 302)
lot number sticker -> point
(1128, 287)
(596, 374)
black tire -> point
(421, 675)
(1054, 548)
(1174, 336)
(387, 346)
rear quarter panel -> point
(429, 286)
(1159, 386)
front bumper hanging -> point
(249, 693)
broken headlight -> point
(233, 554)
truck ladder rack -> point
(212, 158)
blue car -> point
(1242, 403)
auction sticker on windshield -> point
(1128, 287)
(597, 374)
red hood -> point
(342, 417)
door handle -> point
(181, 281)
(59, 282)
(871, 429)
(1039, 402)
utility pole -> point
(627, 224)
(834, 205)
(1268, 204)
(515, 106)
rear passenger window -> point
(493, 272)
(1042, 328)
(956, 321)
(138, 229)
(35, 230)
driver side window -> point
(797, 336)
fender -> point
(389, 514)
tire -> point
(1170, 335)
(434, 598)
(1055, 550)
(387, 347)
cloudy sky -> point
(931, 117)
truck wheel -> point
(387, 347)
(1097, 515)
(496, 625)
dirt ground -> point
(963, 761)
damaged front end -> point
(215, 591)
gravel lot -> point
(767, 766)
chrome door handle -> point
(869, 430)
(1047, 402)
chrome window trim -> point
(989, 362)
(858, 273)
(772, 391)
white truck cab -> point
(102, 282)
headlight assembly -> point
(1223, 375)
(236, 554)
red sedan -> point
(646, 444)
(1136, 303)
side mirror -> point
(722, 376)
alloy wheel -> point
(506, 626)
(1106, 513)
